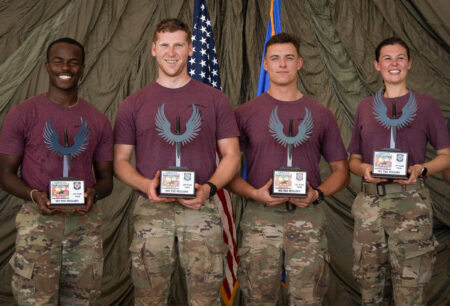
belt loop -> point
(403, 188)
(383, 189)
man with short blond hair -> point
(167, 228)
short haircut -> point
(172, 25)
(67, 40)
(284, 38)
(389, 42)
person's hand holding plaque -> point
(152, 190)
(263, 195)
(201, 194)
(414, 172)
(311, 196)
(42, 201)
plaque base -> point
(67, 193)
(390, 164)
(289, 182)
(177, 183)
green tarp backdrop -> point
(338, 38)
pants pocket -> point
(217, 254)
(417, 268)
(139, 274)
(23, 284)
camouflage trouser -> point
(395, 230)
(58, 258)
(200, 246)
(274, 236)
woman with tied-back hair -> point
(393, 215)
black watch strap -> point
(96, 197)
(213, 189)
(320, 198)
(424, 172)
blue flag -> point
(273, 27)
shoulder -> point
(203, 89)
(93, 113)
(252, 105)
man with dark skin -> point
(58, 258)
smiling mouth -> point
(395, 71)
(171, 61)
(64, 77)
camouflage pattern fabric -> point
(274, 236)
(163, 231)
(393, 232)
(58, 258)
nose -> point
(282, 62)
(171, 51)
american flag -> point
(204, 67)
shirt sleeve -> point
(355, 142)
(332, 146)
(226, 121)
(439, 139)
(243, 139)
(104, 150)
(124, 124)
(12, 138)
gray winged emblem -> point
(408, 114)
(163, 127)
(304, 132)
(51, 140)
(192, 127)
(304, 129)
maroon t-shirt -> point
(427, 126)
(23, 135)
(264, 153)
(136, 125)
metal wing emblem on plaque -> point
(163, 127)
(408, 114)
(81, 141)
(304, 131)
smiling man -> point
(286, 231)
(176, 121)
(59, 257)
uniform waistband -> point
(382, 189)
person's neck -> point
(173, 82)
(394, 91)
(63, 98)
(284, 93)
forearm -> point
(338, 180)
(357, 167)
(241, 187)
(438, 164)
(12, 184)
(228, 167)
(125, 172)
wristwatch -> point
(424, 171)
(213, 190)
(320, 198)
(96, 197)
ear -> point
(376, 64)
(191, 49)
(299, 63)
(410, 64)
(153, 48)
(265, 64)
